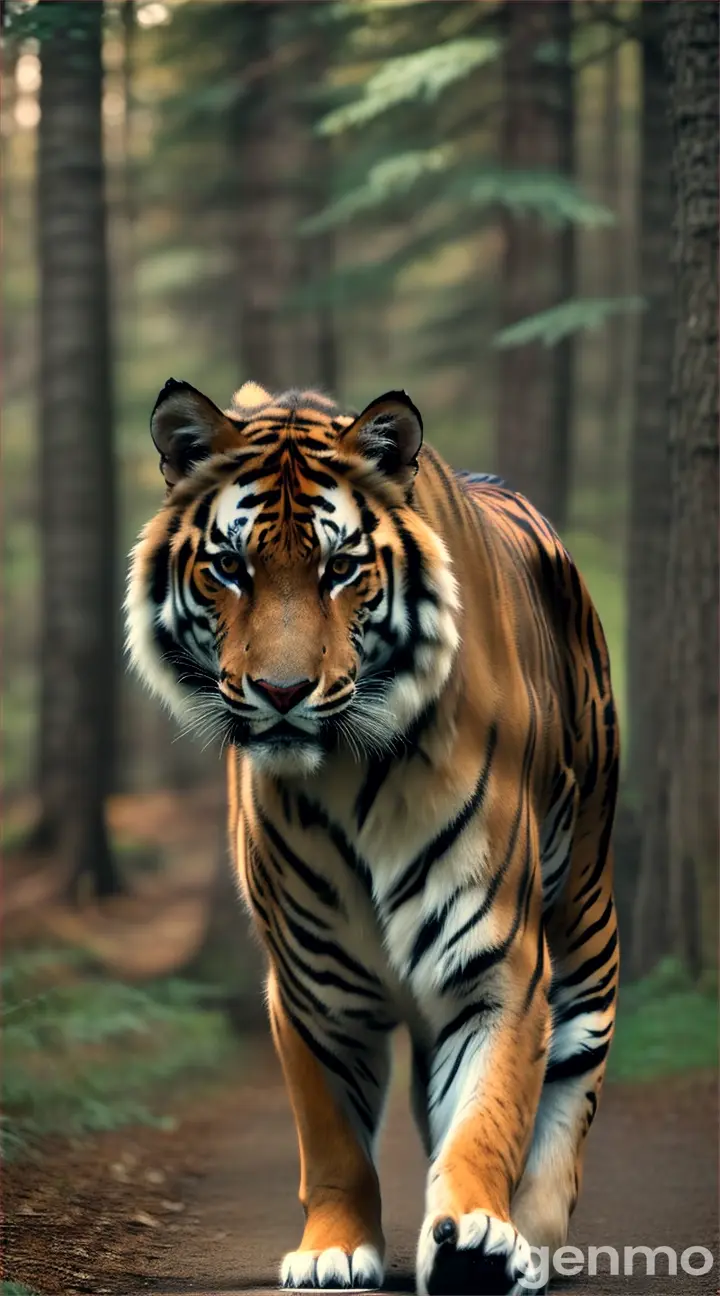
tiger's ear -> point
(187, 427)
(390, 432)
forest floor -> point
(209, 1206)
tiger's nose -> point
(284, 696)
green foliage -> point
(25, 18)
(16, 1289)
(551, 326)
(391, 178)
(553, 198)
(665, 1025)
(84, 1052)
(451, 183)
(422, 76)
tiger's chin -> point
(296, 760)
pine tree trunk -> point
(317, 353)
(535, 402)
(261, 249)
(612, 271)
(76, 457)
(283, 346)
(563, 355)
(646, 766)
(691, 46)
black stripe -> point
(539, 966)
(481, 963)
(604, 843)
(577, 1065)
(453, 1072)
(594, 650)
(377, 773)
(499, 875)
(592, 898)
(329, 949)
(333, 1063)
(477, 1008)
(415, 876)
(324, 891)
(429, 932)
(311, 815)
(590, 1004)
(590, 965)
(593, 929)
(160, 573)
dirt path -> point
(224, 1208)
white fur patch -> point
(250, 396)
(333, 1270)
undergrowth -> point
(82, 1052)
(666, 1024)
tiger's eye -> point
(341, 565)
(229, 564)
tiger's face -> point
(289, 598)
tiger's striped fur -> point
(422, 837)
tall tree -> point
(317, 357)
(260, 250)
(535, 399)
(649, 511)
(258, 171)
(613, 268)
(76, 447)
(691, 44)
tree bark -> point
(317, 352)
(76, 455)
(261, 249)
(274, 144)
(613, 284)
(691, 46)
(535, 406)
(563, 371)
(649, 510)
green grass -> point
(665, 1026)
(84, 1053)
(16, 1289)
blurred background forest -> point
(474, 201)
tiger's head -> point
(289, 597)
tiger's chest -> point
(365, 897)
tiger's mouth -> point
(285, 749)
(363, 724)
(281, 736)
(284, 735)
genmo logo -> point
(570, 1261)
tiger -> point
(413, 687)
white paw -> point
(333, 1270)
(475, 1255)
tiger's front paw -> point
(474, 1255)
(359, 1270)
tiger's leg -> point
(337, 1107)
(484, 1077)
(584, 946)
